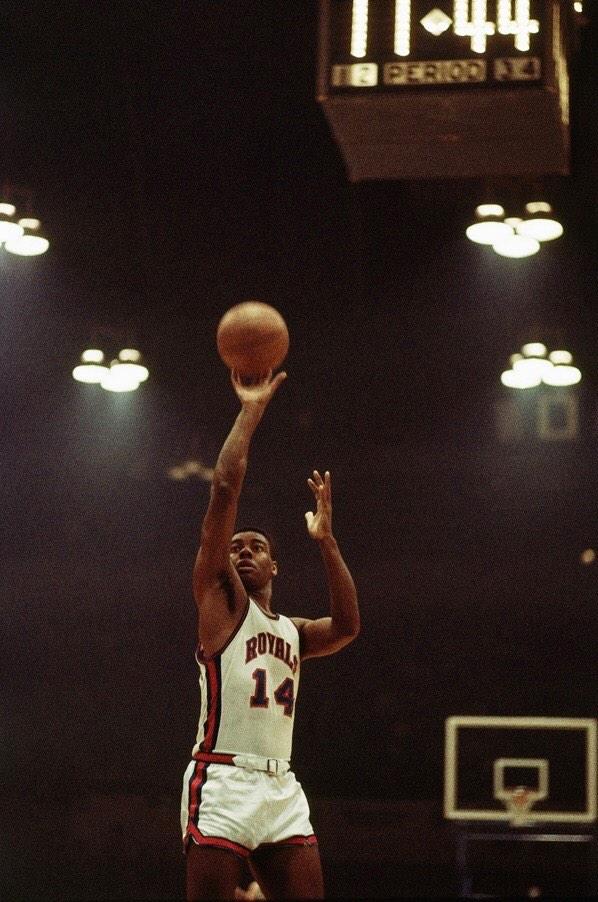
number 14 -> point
(284, 695)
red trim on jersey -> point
(217, 841)
(213, 706)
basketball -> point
(252, 338)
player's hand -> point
(257, 390)
(319, 525)
(253, 891)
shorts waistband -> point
(275, 766)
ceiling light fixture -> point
(534, 365)
(514, 236)
(124, 374)
(17, 236)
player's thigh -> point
(289, 872)
(212, 873)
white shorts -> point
(238, 809)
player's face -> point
(250, 556)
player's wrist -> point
(326, 540)
(252, 410)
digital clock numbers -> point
(405, 42)
(469, 19)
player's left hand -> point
(319, 525)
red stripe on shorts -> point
(216, 841)
(295, 841)
(195, 785)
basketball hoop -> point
(519, 800)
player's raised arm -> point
(329, 634)
(215, 582)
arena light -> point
(119, 378)
(91, 369)
(92, 355)
(519, 379)
(562, 374)
(531, 366)
(539, 224)
(514, 236)
(489, 210)
(561, 357)
(129, 361)
(534, 349)
(488, 232)
(8, 228)
(536, 366)
(516, 246)
(25, 244)
(17, 236)
(125, 373)
(489, 227)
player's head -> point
(253, 554)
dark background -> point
(180, 164)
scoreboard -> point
(446, 88)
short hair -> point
(262, 532)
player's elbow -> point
(345, 637)
(349, 630)
(354, 631)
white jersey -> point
(248, 689)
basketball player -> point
(241, 803)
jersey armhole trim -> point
(203, 659)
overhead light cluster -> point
(514, 236)
(189, 469)
(124, 374)
(534, 365)
(19, 236)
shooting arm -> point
(213, 575)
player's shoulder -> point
(298, 622)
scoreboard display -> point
(415, 61)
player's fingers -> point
(328, 485)
(317, 478)
(278, 379)
(309, 517)
(313, 487)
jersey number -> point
(284, 695)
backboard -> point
(524, 770)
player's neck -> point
(263, 597)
